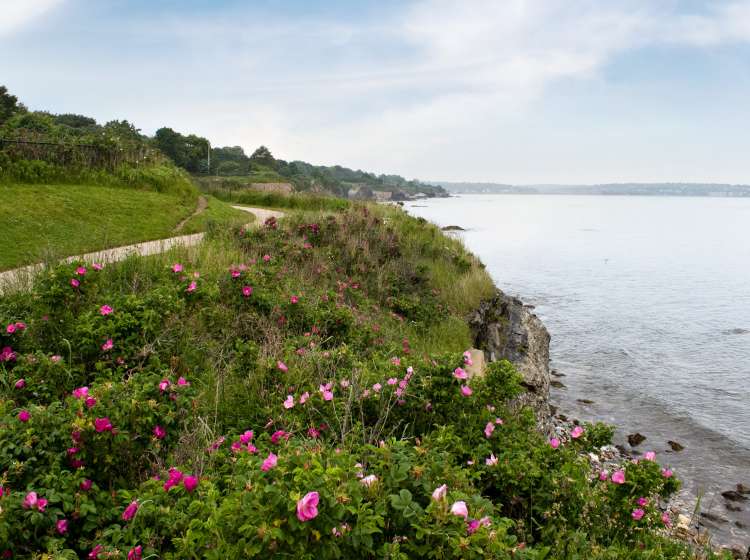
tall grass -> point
(297, 201)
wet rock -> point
(557, 373)
(557, 384)
(713, 517)
(731, 507)
(453, 228)
(585, 401)
(736, 331)
(622, 450)
(675, 446)
(742, 489)
(734, 496)
(562, 417)
(636, 439)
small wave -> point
(736, 331)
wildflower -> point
(97, 266)
(246, 437)
(269, 463)
(472, 526)
(459, 373)
(266, 258)
(62, 526)
(289, 402)
(466, 391)
(643, 502)
(603, 475)
(459, 509)
(467, 358)
(344, 383)
(577, 432)
(369, 480)
(666, 473)
(159, 432)
(190, 483)
(637, 514)
(176, 268)
(277, 435)
(105, 310)
(135, 553)
(618, 477)
(294, 299)
(75, 282)
(182, 382)
(282, 366)
(327, 395)
(81, 392)
(491, 461)
(247, 291)
(499, 421)
(20, 384)
(130, 511)
(24, 416)
(377, 387)
(554, 443)
(307, 506)
(396, 361)
(488, 429)
(85, 485)
(94, 554)
(30, 500)
(107, 345)
(313, 432)
(649, 456)
(235, 273)
(90, 402)
(81, 271)
(10, 329)
(20, 325)
(55, 359)
(392, 380)
(666, 519)
(102, 425)
(191, 287)
(439, 493)
(175, 477)
(303, 397)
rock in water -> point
(675, 446)
(453, 228)
(733, 496)
(507, 330)
(636, 439)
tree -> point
(263, 156)
(74, 121)
(9, 105)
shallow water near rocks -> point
(647, 300)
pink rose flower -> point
(10, 329)
(130, 511)
(75, 282)
(108, 345)
(666, 473)
(191, 287)
(176, 268)
(289, 402)
(62, 526)
(247, 291)
(488, 429)
(294, 299)
(159, 432)
(491, 461)
(86, 485)
(30, 500)
(190, 482)
(81, 271)
(637, 514)
(282, 366)
(307, 506)
(20, 384)
(269, 463)
(649, 456)
(618, 477)
(577, 432)
(97, 266)
(135, 553)
(554, 443)
(102, 425)
(81, 392)
(440, 492)
(24, 416)
(466, 391)
(666, 519)
(105, 310)
(459, 509)
(459, 373)
(90, 402)
(246, 437)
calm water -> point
(647, 300)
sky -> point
(508, 91)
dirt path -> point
(18, 278)
(199, 209)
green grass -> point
(218, 214)
(42, 222)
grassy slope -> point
(48, 221)
(218, 213)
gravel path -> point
(20, 277)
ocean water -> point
(647, 300)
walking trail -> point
(19, 277)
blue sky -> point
(516, 91)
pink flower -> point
(24, 416)
(277, 435)
(603, 475)
(62, 526)
(459, 373)
(577, 432)
(269, 463)
(459, 509)
(97, 266)
(392, 380)
(466, 390)
(618, 477)
(175, 477)
(81, 271)
(666, 519)
(289, 402)
(20, 384)
(10, 329)
(369, 480)
(81, 392)
(643, 502)
(41, 503)
(182, 382)
(282, 366)
(235, 273)
(327, 395)
(440, 492)
(294, 299)
(20, 325)
(637, 514)
(554, 443)
(472, 526)
(190, 483)
(491, 461)
(247, 291)
(130, 511)
(164, 385)
(344, 383)
(191, 287)
(102, 425)
(666, 473)
(176, 267)
(246, 437)
(74, 282)
(377, 387)
(307, 506)
(467, 358)
(488, 429)
(107, 345)
(396, 361)
(55, 359)
(30, 500)
(266, 258)
(90, 402)
(94, 554)
(85, 485)
(649, 456)
(105, 310)
(135, 553)
(159, 432)
(313, 432)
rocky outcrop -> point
(504, 328)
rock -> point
(734, 496)
(557, 384)
(557, 373)
(562, 417)
(731, 507)
(636, 439)
(675, 446)
(453, 228)
(742, 489)
(585, 401)
(713, 517)
(624, 452)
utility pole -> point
(208, 157)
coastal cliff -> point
(506, 329)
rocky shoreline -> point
(503, 327)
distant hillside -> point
(632, 189)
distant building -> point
(282, 188)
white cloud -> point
(17, 13)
